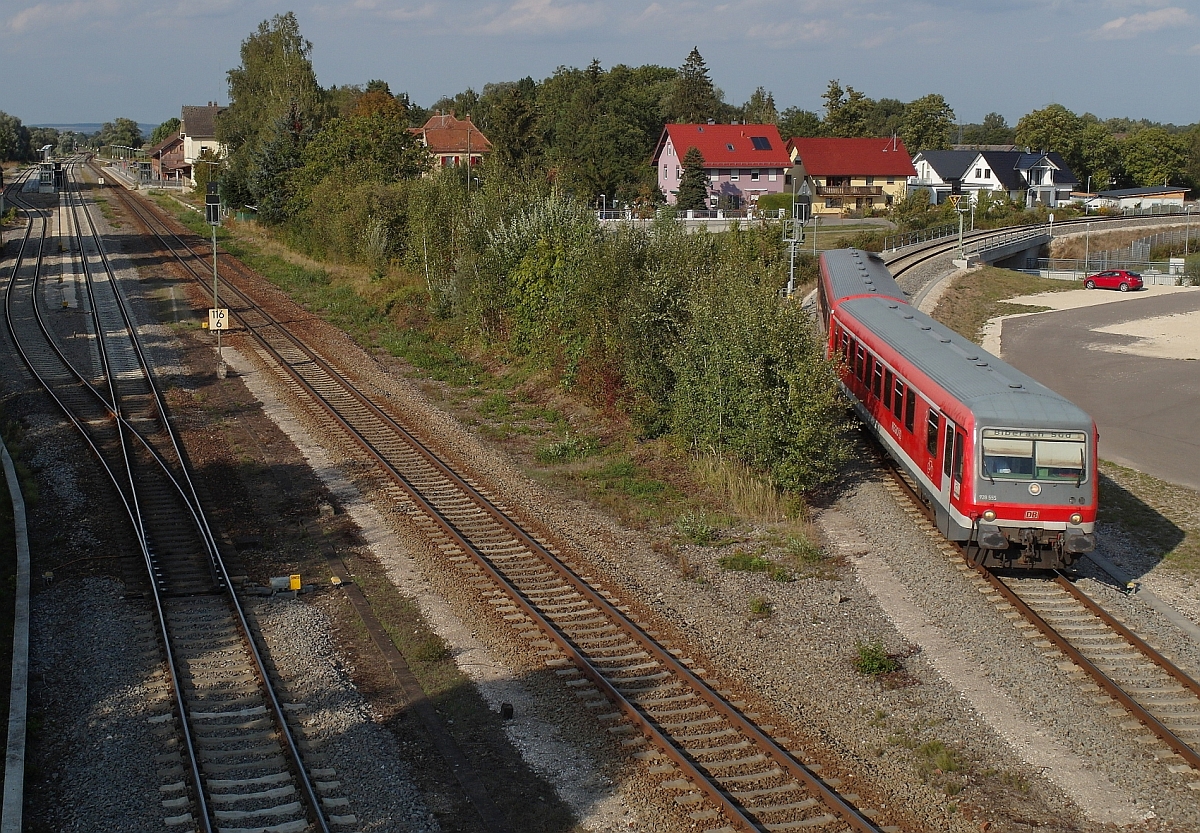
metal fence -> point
(1153, 272)
(1139, 250)
(910, 238)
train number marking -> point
(896, 429)
(1031, 515)
(991, 498)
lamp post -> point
(603, 206)
(1187, 233)
(1087, 247)
(1087, 200)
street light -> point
(1087, 200)
(603, 206)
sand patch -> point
(1170, 341)
(1164, 337)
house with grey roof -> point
(198, 130)
(1035, 178)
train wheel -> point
(1089, 284)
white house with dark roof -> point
(198, 130)
(1036, 178)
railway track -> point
(723, 769)
(236, 765)
(1131, 676)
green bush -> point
(872, 659)
(744, 562)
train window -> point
(949, 447)
(931, 432)
(958, 457)
(910, 410)
(898, 399)
(1030, 457)
(887, 389)
(878, 380)
(868, 370)
(859, 361)
(847, 346)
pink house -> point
(743, 161)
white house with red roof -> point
(743, 161)
(851, 174)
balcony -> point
(849, 190)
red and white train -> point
(1007, 465)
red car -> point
(1114, 279)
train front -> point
(1036, 489)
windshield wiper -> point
(987, 473)
(1079, 481)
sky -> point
(78, 61)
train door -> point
(953, 442)
(947, 461)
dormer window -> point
(729, 145)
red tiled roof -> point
(446, 134)
(727, 145)
(853, 157)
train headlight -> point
(1077, 519)
(989, 516)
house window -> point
(664, 171)
(733, 174)
(987, 173)
(979, 173)
(891, 180)
(677, 172)
(771, 174)
(833, 202)
(670, 150)
(754, 175)
(870, 180)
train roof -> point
(993, 390)
(853, 272)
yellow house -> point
(846, 175)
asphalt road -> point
(1147, 409)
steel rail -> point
(1058, 640)
(1129, 636)
(172, 663)
(296, 763)
(833, 801)
(1109, 687)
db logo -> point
(1031, 515)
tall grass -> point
(748, 492)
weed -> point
(873, 660)
(941, 757)
(742, 561)
(567, 449)
(695, 527)
(759, 606)
(751, 494)
(431, 648)
(1015, 781)
(495, 406)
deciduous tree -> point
(275, 77)
(794, 122)
(927, 124)
(168, 128)
(123, 132)
(847, 112)
(1154, 157)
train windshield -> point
(1012, 454)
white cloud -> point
(1131, 26)
(790, 32)
(541, 17)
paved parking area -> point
(1131, 360)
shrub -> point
(567, 449)
(695, 528)
(759, 606)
